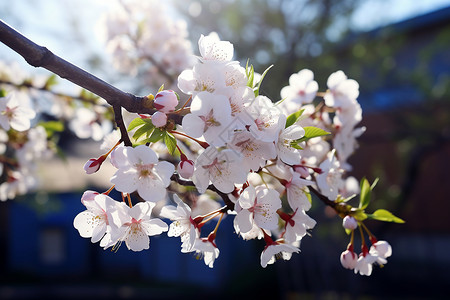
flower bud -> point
(301, 170)
(186, 168)
(92, 165)
(349, 259)
(159, 119)
(349, 223)
(166, 101)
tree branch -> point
(226, 199)
(39, 56)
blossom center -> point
(209, 120)
(145, 170)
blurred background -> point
(398, 51)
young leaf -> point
(52, 126)
(312, 132)
(250, 76)
(146, 129)
(256, 90)
(385, 215)
(51, 81)
(170, 142)
(156, 136)
(161, 88)
(136, 122)
(364, 196)
(292, 118)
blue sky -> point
(368, 15)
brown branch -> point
(120, 123)
(29, 85)
(39, 56)
(226, 199)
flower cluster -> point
(143, 37)
(263, 158)
(32, 115)
(21, 146)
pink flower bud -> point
(349, 259)
(186, 168)
(166, 101)
(159, 119)
(349, 223)
(92, 165)
(301, 170)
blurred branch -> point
(39, 56)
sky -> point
(393, 11)
(36, 19)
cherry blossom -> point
(221, 168)
(210, 116)
(255, 152)
(85, 125)
(302, 88)
(286, 151)
(14, 114)
(205, 249)
(297, 225)
(94, 221)
(203, 77)
(296, 190)
(137, 225)
(267, 119)
(182, 224)
(276, 250)
(364, 264)
(342, 91)
(143, 173)
(258, 206)
(212, 48)
(382, 250)
(330, 181)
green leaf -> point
(250, 76)
(364, 196)
(294, 145)
(140, 132)
(359, 214)
(311, 132)
(161, 88)
(52, 126)
(292, 118)
(308, 195)
(157, 135)
(348, 231)
(170, 142)
(57, 126)
(51, 81)
(385, 215)
(2, 93)
(256, 90)
(136, 122)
